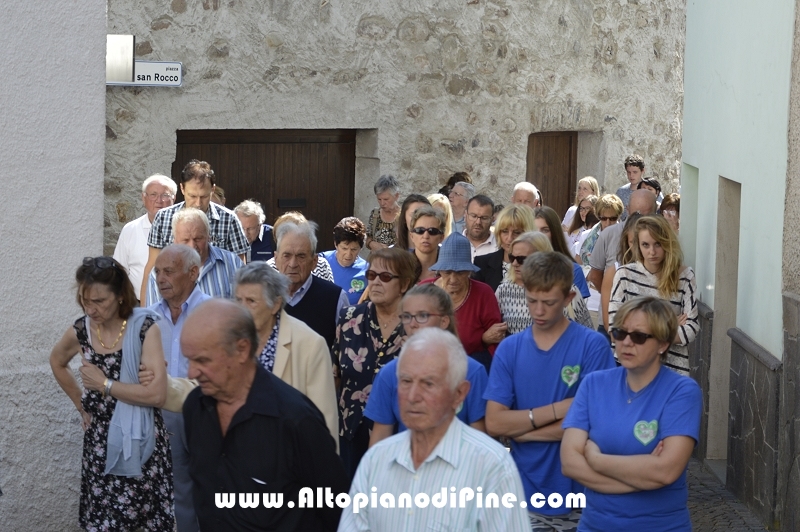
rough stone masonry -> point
(446, 85)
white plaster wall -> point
(449, 85)
(51, 139)
(736, 103)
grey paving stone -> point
(713, 508)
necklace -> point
(635, 395)
(121, 330)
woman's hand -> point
(682, 319)
(86, 419)
(495, 333)
(93, 377)
(146, 375)
(591, 451)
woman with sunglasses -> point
(631, 430)
(427, 232)
(410, 204)
(511, 222)
(511, 292)
(423, 306)
(368, 337)
(126, 482)
(657, 270)
(608, 209)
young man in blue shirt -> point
(535, 375)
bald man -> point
(248, 431)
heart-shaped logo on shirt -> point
(569, 374)
(645, 432)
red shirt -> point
(477, 313)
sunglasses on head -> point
(608, 218)
(433, 231)
(99, 262)
(383, 276)
(519, 259)
(637, 338)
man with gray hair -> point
(527, 194)
(312, 300)
(258, 234)
(460, 195)
(437, 452)
(176, 271)
(217, 267)
(158, 191)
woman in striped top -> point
(658, 271)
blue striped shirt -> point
(216, 275)
(464, 458)
(177, 364)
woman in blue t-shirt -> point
(631, 430)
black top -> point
(318, 307)
(491, 266)
(277, 442)
(262, 249)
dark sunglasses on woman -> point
(519, 259)
(637, 338)
(433, 231)
(384, 276)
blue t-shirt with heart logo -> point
(523, 377)
(669, 406)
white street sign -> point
(155, 74)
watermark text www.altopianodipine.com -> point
(444, 498)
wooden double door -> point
(310, 171)
(553, 167)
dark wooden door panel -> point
(310, 171)
(552, 166)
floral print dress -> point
(111, 502)
(361, 352)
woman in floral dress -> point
(112, 501)
(368, 337)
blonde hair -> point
(592, 182)
(441, 202)
(516, 215)
(608, 202)
(660, 231)
(538, 241)
(661, 318)
(291, 216)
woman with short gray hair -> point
(287, 347)
(381, 226)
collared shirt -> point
(277, 442)
(464, 458)
(295, 298)
(216, 275)
(484, 248)
(132, 252)
(177, 364)
(226, 229)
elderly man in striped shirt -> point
(440, 471)
(190, 227)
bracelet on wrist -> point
(108, 384)
(105, 385)
(530, 416)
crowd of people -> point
(475, 346)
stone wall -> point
(449, 85)
(52, 101)
(753, 426)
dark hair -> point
(108, 272)
(405, 265)
(626, 254)
(634, 160)
(349, 229)
(556, 231)
(402, 227)
(650, 182)
(458, 177)
(577, 223)
(483, 201)
(498, 207)
(671, 201)
(199, 170)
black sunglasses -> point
(433, 231)
(384, 276)
(99, 262)
(637, 338)
(518, 258)
(608, 218)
